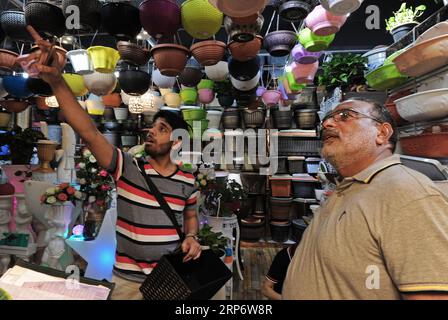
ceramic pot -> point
(170, 59)
(324, 23)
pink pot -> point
(206, 95)
(304, 73)
(324, 23)
(271, 97)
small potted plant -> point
(404, 20)
(214, 241)
(21, 144)
(223, 91)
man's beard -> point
(160, 152)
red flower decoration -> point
(103, 173)
(62, 197)
(64, 185)
(71, 190)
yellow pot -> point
(172, 99)
(104, 59)
(76, 83)
(164, 91)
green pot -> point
(194, 114)
(293, 85)
(385, 77)
(189, 95)
(203, 125)
(206, 84)
(313, 42)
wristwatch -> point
(193, 235)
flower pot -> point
(298, 228)
(385, 77)
(190, 77)
(172, 99)
(243, 32)
(252, 229)
(90, 16)
(426, 145)
(313, 42)
(61, 54)
(280, 208)
(80, 61)
(375, 58)
(95, 105)
(160, 17)
(16, 86)
(423, 106)
(231, 119)
(120, 20)
(341, 7)
(214, 118)
(197, 128)
(209, 52)
(312, 165)
(45, 152)
(271, 97)
(306, 118)
(112, 100)
(104, 59)
(245, 51)
(8, 60)
(39, 87)
(280, 43)
(162, 81)
(170, 59)
(14, 25)
(193, 114)
(308, 98)
(296, 164)
(280, 230)
(53, 23)
(253, 183)
(253, 118)
(392, 107)
(76, 84)
(217, 72)
(189, 95)
(324, 23)
(237, 8)
(206, 84)
(5, 118)
(400, 31)
(282, 119)
(303, 187)
(112, 125)
(100, 83)
(133, 53)
(121, 114)
(134, 82)
(206, 96)
(200, 19)
(302, 56)
(280, 187)
(304, 73)
(302, 207)
(244, 71)
(225, 101)
(294, 11)
(108, 114)
(247, 85)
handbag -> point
(173, 279)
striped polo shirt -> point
(144, 231)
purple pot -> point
(282, 90)
(302, 56)
(260, 91)
(160, 17)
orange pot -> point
(112, 100)
(40, 103)
(245, 51)
(208, 53)
(280, 187)
(14, 105)
(8, 60)
(170, 59)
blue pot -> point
(17, 86)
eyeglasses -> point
(345, 114)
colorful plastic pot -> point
(193, 113)
(172, 99)
(120, 19)
(217, 72)
(247, 85)
(206, 95)
(280, 43)
(323, 22)
(292, 83)
(385, 77)
(190, 77)
(104, 59)
(162, 81)
(244, 51)
(214, 118)
(238, 8)
(341, 7)
(17, 86)
(76, 84)
(160, 17)
(170, 59)
(271, 97)
(206, 84)
(209, 52)
(189, 95)
(112, 100)
(95, 105)
(314, 43)
(81, 62)
(260, 91)
(202, 125)
(304, 73)
(301, 55)
(200, 19)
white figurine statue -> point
(66, 156)
(5, 217)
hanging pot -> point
(244, 71)
(253, 118)
(206, 96)
(280, 43)
(104, 59)
(341, 7)
(260, 91)
(294, 11)
(238, 8)
(46, 18)
(206, 84)
(244, 51)
(121, 113)
(76, 84)
(89, 13)
(190, 77)
(16, 86)
(133, 53)
(200, 19)
(246, 20)
(80, 61)
(246, 85)
(160, 17)
(270, 97)
(8, 60)
(302, 56)
(243, 32)
(134, 82)
(16, 106)
(189, 95)
(112, 100)
(324, 23)
(100, 83)
(39, 87)
(304, 73)
(209, 52)
(14, 25)
(95, 105)
(170, 59)
(172, 99)
(61, 54)
(121, 20)
(162, 81)
(313, 42)
(217, 72)
(226, 101)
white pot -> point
(214, 118)
(245, 85)
(121, 113)
(424, 106)
(100, 83)
(217, 72)
(341, 7)
(436, 82)
(81, 62)
(162, 81)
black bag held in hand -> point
(173, 279)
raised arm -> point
(35, 65)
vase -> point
(45, 151)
